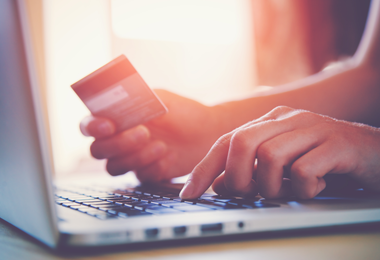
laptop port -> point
(241, 224)
(179, 230)
(152, 232)
(211, 227)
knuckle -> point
(266, 153)
(305, 113)
(240, 139)
(281, 110)
(307, 116)
(222, 142)
(301, 172)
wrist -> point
(226, 117)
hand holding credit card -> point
(116, 91)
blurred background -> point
(202, 49)
(208, 50)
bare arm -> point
(350, 92)
(289, 152)
(172, 145)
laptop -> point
(87, 215)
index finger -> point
(214, 162)
(208, 169)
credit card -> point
(116, 91)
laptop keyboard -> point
(128, 203)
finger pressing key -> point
(207, 170)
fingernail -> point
(105, 128)
(140, 133)
(187, 190)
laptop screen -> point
(24, 187)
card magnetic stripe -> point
(107, 75)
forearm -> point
(351, 93)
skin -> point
(164, 148)
(174, 144)
(294, 150)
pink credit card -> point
(116, 91)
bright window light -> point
(198, 21)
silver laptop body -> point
(27, 198)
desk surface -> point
(359, 243)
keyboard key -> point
(165, 193)
(127, 212)
(191, 208)
(159, 200)
(84, 199)
(105, 215)
(251, 203)
(69, 203)
(192, 202)
(78, 197)
(154, 207)
(128, 203)
(138, 205)
(223, 200)
(173, 197)
(162, 210)
(90, 211)
(238, 201)
(208, 195)
(172, 204)
(125, 209)
(92, 202)
(110, 207)
(124, 193)
(103, 196)
(110, 197)
(99, 204)
(134, 214)
(213, 204)
(143, 197)
(79, 207)
(117, 210)
(230, 206)
(167, 201)
(266, 205)
(121, 200)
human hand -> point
(166, 147)
(294, 149)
